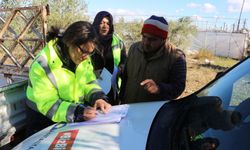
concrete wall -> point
(232, 45)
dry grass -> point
(203, 54)
(200, 72)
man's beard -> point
(150, 50)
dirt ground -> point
(198, 75)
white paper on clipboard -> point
(115, 115)
(105, 80)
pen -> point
(100, 111)
(85, 106)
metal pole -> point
(238, 26)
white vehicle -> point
(215, 117)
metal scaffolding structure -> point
(22, 34)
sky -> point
(209, 11)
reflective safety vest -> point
(55, 91)
(117, 46)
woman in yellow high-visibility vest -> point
(62, 83)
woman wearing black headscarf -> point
(112, 53)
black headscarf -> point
(98, 18)
(105, 57)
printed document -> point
(115, 115)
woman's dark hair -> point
(77, 33)
(98, 19)
(53, 33)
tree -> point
(62, 12)
(180, 32)
(130, 32)
(12, 3)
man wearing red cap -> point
(155, 69)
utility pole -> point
(244, 24)
(238, 26)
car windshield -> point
(217, 114)
(232, 88)
(234, 91)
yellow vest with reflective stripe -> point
(117, 47)
(55, 91)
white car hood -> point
(130, 134)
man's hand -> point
(150, 86)
(103, 105)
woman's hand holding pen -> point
(102, 105)
(91, 112)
